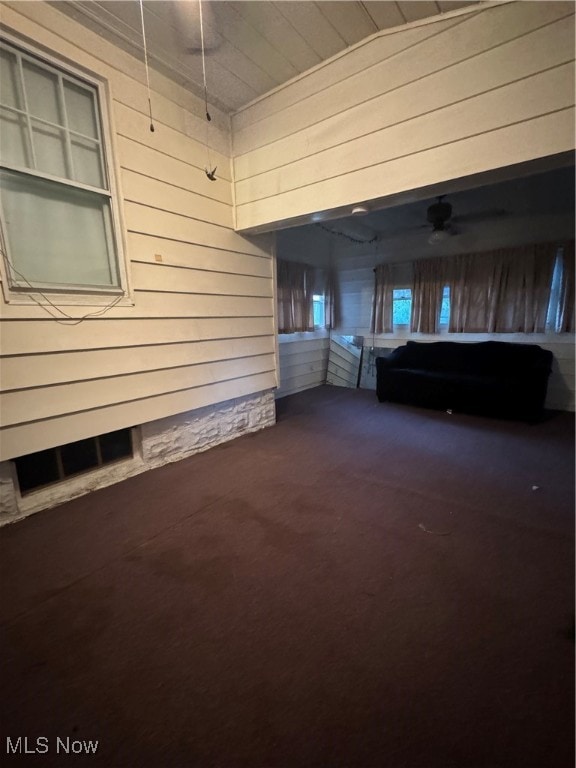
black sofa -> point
(489, 378)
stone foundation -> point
(155, 443)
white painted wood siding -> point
(343, 363)
(201, 330)
(439, 100)
(303, 361)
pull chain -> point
(210, 172)
(146, 65)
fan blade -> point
(492, 213)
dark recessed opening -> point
(80, 456)
(116, 445)
(37, 469)
(45, 467)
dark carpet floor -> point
(363, 585)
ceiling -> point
(251, 46)
(528, 198)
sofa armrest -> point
(393, 360)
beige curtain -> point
(429, 281)
(521, 285)
(538, 263)
(331, 300)
(502, 291)
(382, 302)
(467, 278)
(566, 314)
(295, 297)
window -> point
(445, 307)
(401, 306)
(554, 305)
(45, 467)
(318, 307)
(57, 213)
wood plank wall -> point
(343, 363)
(443, 99)
(303, 361)
(201, 330)
(303, 357)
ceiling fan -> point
(441, 224)
(439, 215)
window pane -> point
(445, 306)
(37, 469)
(9, 90)
(14, 143)
(402, 305)
(57, 235)
(50, 149)
(318, 309)
(115, 445)
(80, 109)
(86, 159)
(41, 93)
(554, 306)
(77, 457)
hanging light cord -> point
(146, 65)
(203, 61)
(66, 319)
(210, 171)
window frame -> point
(73, 294)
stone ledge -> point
(155, 443)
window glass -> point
(50, 149)
(402, 306)
(58, 235)
(14, 143)
(318, 308)
(553, 313)
(80, 110)
(9, 91)
(86, 160)
(445, 306)
(41, 88)
(37, 216)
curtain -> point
(521, 283)
(538, 267)
(566, 313)
(295, 297)
(429, 281)
(502, 291)
(331, 300)
(467, 277)
(382, 302)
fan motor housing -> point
(439, 213)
